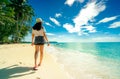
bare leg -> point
(41, 54)
(36, 54)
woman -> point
(38, 36)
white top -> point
(38, 32)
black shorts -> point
(39, 40)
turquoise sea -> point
(88, 60)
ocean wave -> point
(82, 65)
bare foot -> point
(35, 68)
(39, 64)
(38, 78)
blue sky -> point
(78, 20)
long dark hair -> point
(38, 26)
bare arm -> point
(46, 38)
(33, 39)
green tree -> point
(6, 21)
(23, 16)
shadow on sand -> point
(15, 71)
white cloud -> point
(90, 29)
(86, 14)
(115, 25)
(57, 15)
(107, 19)
(55, 21)
(69, 2)
(70, 28)
(106, 39)
(67, 38)
(50, 34)
(48, 24)
(61, 36)
(81, 1)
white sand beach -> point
(17, 61)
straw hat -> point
(38, 20)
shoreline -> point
(17, 62)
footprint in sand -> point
(20, 62)
(37, 77)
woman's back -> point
(38, 32)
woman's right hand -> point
(48, 44)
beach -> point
(17, 61)
(61, 61)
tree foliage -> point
(6, 21)
(15, 18)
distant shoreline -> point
(55, 42)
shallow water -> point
(88, 60)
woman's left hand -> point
(32, 44)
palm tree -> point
(23, 16)
(6, 21)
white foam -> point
(84, 66)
